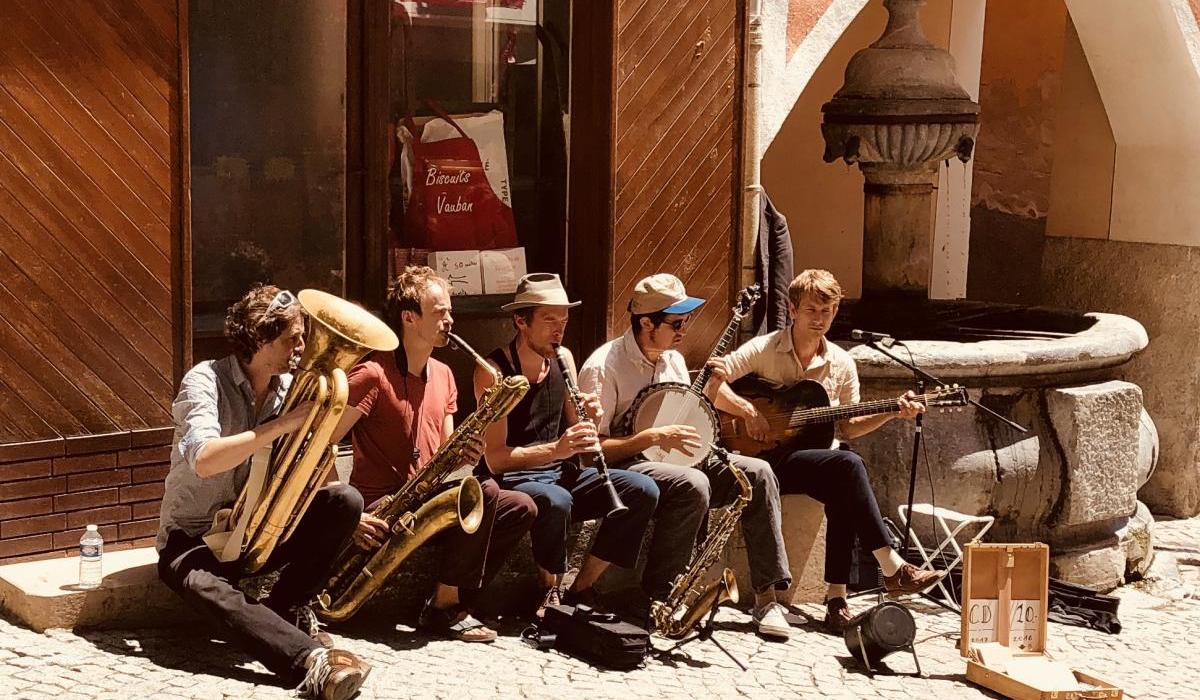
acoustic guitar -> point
(800, 417)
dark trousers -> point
(190, 569)
(473, 559)
(562, 497)
(838, 479)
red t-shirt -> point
(383, 437)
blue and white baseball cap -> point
(662, 293)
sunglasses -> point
(678, 324)
(282, 300)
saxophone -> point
(690, 598)
(417, 511)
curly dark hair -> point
(406, 290)
(248, 327)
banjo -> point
(675, 403)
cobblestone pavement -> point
(1153, 657)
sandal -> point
(456, 623)
(553, 596)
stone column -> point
(899, 114)
(898, 218)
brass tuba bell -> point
(339, 334)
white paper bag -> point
(486, 130)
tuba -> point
(690, 598)
(418, 511)
(339, 334)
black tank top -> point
(537, 418)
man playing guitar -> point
(835, 477)
(617, 371)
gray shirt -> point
(215, 400)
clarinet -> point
(616, 507)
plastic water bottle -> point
(91, 549)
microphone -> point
(883, 339)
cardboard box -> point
(460, 268)
(1005, 595)
(502, 269)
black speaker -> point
(875, 633)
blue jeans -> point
(562, 498)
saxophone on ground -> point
(690, 599)
(418, 511)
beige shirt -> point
(772, 358)
(617, 371)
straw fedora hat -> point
(539, 289)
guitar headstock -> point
(746, 300)
(947, 396)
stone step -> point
(45, 594)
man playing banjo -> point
(660, 311)
(835, 477)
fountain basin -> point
(1072, 480)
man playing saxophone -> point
(401, 410)
(660, 312)
(530, 451)
(225, 412)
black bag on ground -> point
(601, 639)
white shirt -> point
(618, 370)
(772, 358)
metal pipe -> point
(751, 158)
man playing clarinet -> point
(532, 450)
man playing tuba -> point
(225, 412)
(401, 410)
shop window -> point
(267, 89)
(468, 100)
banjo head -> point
(675, 404)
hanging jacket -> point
(773, 267)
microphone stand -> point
(920, 376)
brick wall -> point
(50, 491)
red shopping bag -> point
(451, 204)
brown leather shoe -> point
(910, 579)
(837, 615)
(333, 674)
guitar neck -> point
(833, 414)
(722, 346)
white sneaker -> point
(771, 622)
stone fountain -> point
(1072, 480)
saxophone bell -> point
(421, 508)
(690, 599)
